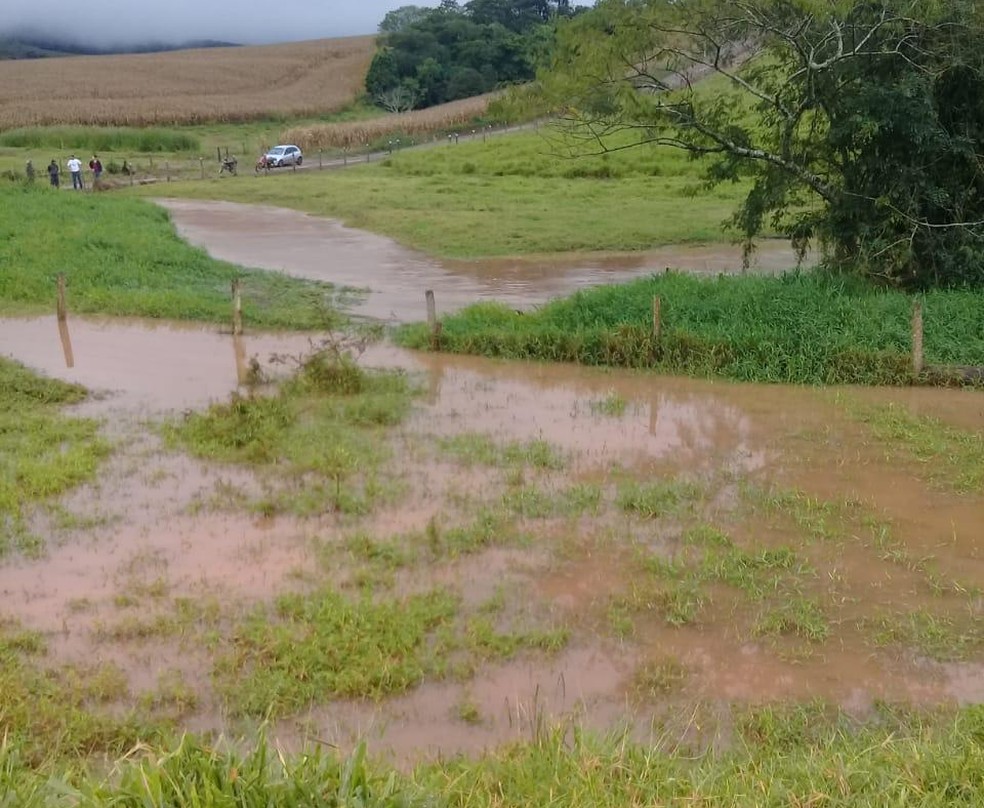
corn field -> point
(182, 87)
(418, 125)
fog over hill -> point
(100, 25)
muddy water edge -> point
(619, 547)
(316, 248)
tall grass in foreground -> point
(781, 757)
(121, 256)
(808, 328)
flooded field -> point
(315, 248)
(609, 547)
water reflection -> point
(66, 343)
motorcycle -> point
(228, 164)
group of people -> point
(74, 166)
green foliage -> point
(802, 328)
(860, 124)
(42, 453)
(121, 256)
(431, 56)
(88, 139)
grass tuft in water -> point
(43, 453)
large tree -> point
(859, 124)
(455, 51)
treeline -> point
(431, 56)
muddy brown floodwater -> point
(149, 528)
(321, 249)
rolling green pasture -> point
(516, 194)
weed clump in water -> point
(322, 429)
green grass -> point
(533, 502)
(313, 648)
(48, 712)
(940, 637)
(946, 455)
(509, 196)
(245, 139)
(84, 140)
(780, 758)
(43, 453)
(473, 448)
(807, 328)
(323, 434)
(677, 589)
(659, 499)
(122, 256)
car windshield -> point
(278, 150)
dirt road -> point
(396, 278)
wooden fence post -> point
(321, 165)
(917, 338)
(237, 308)
(431, 308)
(201, 165)
(167, 170)
(432, 323)
(61, 306)
(657, 319)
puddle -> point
(511, 702)
(145, 532)
(315, 248)
(141, 364)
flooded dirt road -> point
(311, 247)
(882, 554)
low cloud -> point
(108, 23)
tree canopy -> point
(859, 124)
(430, 56)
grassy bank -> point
(780, 758)
(514, 195)
(122, 256)
(800, 328)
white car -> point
(283, 156)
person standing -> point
(53, 173)
(96, 168)
(74, 165)
(29, 170)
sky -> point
(114, 22)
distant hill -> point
(34, 46)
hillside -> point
(30, 46)
(189, 86)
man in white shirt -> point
(74, 165)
